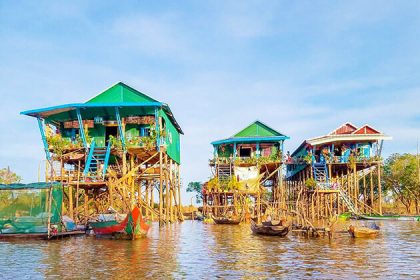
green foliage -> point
(352, 161)
(149, 142)
(213, 184)
(308, 158)
(233, 184)
(115, 142)
(401, 176)
(196, 187)
(8, 177)
(58, 144)
(310, 183)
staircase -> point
(320, 172)
(348, 202)
(97, 156)
(224, 171)
(346, 198)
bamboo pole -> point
(167, 190)
(371, 190)
(133, 198)
(171, 190)
(77, 191)
(364, 193)
(71, 213)
(179, 191)
(379, 188)
(152, 201)
(86, 204)
(160, 188)
(146, 195)
(355, 190)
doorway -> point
(110, 130)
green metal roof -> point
(255, 132)
(120, 93)
(257, 129)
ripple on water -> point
(194, 250)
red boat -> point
(132, 227)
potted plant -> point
(310, 183)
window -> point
(245, 152)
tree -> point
(8, 177)
(196, 187)
(401, 177)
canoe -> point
(390, 218)
(132, 227)
(270, 230)
(362, 232)
(227, 221)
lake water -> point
(193, 250)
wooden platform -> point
(8, 236)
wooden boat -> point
(132, 227)
(227, 221)
(391, 217)
(362, 232)
(267, 228)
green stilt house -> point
(115, 149)
(243, 165)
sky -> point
(302, 67)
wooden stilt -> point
(379, 189)
(160, 188)
(371, 191)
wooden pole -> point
(179, 191)
(364, 193)
(356, 186)
(371, 190)
(133, 198)
(167, 190)
(146, 197)
(160, 188)
(86, 198)
(152, 201)
(71, 213)
(77, 191)
(379, 188)
(171, 190)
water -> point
(193, 250)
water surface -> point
(193, 250)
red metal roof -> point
(366, 129)
(346, 128)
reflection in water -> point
(194, 250)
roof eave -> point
(347, 137)
(250, 139)
(69, 107)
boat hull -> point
(363, 232)
(132, 227)
(226, 221)
(269, 230)
(390, 218)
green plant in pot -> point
(310, 183)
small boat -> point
(227, 221)
(362, 232)
(390, 218)
(132, 227)
(267, 228)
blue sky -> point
(302, 67)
